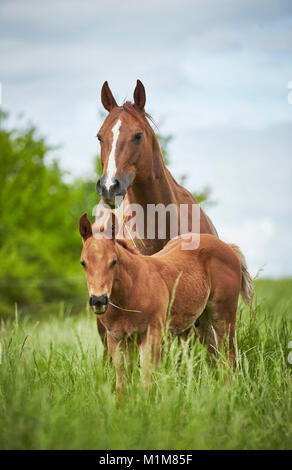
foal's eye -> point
(82, 262)
(137, 137)
(99, 138)
(113, 263)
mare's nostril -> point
(98, 187)
(116, 184)
(115, 187)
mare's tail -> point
(246, 279)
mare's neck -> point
(156, 188)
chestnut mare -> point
(133, 168)
(209, 278)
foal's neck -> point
(126, 272)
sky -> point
(217, 78)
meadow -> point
(57, 393)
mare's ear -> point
(107, 98)
(139, 96)
(85, 229)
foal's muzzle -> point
(99, 303)
(114, 194)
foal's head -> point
(98, 258)
(128, 146)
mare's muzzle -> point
(114, 194)
(99, 303)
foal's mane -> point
(128, 245)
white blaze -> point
(111, 166)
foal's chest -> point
(124, 324)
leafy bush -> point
(39, 243)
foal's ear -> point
(139, 96)
(107, 98)
(85, 229)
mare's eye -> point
(82, 262)
(137, 137)
(99, 138)
(113, 263)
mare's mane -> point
(129, 107)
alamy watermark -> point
(154, 221)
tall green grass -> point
(56, 392)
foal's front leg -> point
(150, 352)
(103, 336)
(117, 349)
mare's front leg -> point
(150, 352)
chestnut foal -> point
(139, 289)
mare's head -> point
(129, 149)
(98, 259)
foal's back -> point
(198, 248)
(211, 271)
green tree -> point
(39, 243)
